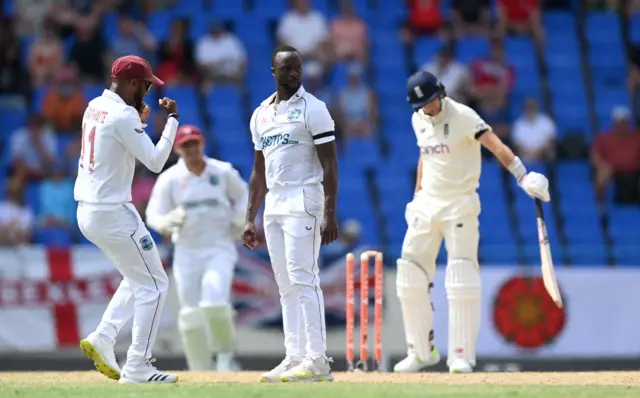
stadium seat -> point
(52, 236)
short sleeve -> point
(473, 125)
(320, 123)
(253, 126)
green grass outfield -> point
(385, 385)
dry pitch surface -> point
(387, 385)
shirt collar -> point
(113, 96)
(295, 97)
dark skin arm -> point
(329, 160)
(257, 192)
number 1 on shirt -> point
(92, 140)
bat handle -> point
(539, 211)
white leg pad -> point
(195, 341)
(220, 319)
(413, 285)
(463, 287)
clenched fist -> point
(144, 111)
(169, 105)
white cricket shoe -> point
(459, 365)
(101, 353)
(309, 370)
(145, 372)
(273, 376)
(413, 364)
(226, 363)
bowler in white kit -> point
(113, 138)
(295, 160)
(201, 202)
(446, 206)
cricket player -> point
(113, 138)
(201, 202)
(447, 206)
(295, 159)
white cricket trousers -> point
(119, 232)
(292, 229)
(204, 275)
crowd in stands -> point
(51, 51)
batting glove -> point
(536, 185)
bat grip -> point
(539, 211)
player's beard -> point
(138, 99)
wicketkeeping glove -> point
(172, 220)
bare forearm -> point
(418, 175)
(257, 192)
(330, 183)
(504, 154)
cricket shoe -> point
(413, 364)
(101, 353)
(459, 365)
(226, 363)
(145, 372)
(309, 370)
(273, 376)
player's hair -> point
(282, 49)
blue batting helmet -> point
(423, 87)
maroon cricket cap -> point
(187, 133)
(134, 67)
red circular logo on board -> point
(525, 315)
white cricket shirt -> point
(112, 138)
(451, 157)
(212, 200)
(288, 138)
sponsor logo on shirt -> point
(201, 203)
(438, 149)
(278, 139)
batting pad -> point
(222, 327)
(195, 342)
(462, 283)
(413, 285)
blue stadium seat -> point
(32, 197)
(426, 49)
(558, 21)
(587, 255)
(183, 94)
(498, 255)
(627, 255)
(603, 27)
(469, 49)
(532, 254)
(52, 236)
(584, 230)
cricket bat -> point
(548, 273)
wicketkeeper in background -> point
(201, 203)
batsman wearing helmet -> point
(201, 203)
(446, 206)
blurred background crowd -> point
(558, 80)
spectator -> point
(177, 62)
(133, 38)
(495, 113)
(64, 104)
(67, 14)
(471, 18)
(425, 17)
(306, 30)
(141, 189)
(453, 74)
(314, 83)
(16, 219)
(534, 134)
(521, 18)
(14, 78)
(33, 149)
(221, 56)
(349, 36)
(358, 106)
(46, 55)
(89, 53)
(57, 206)
(616, 157)
(492, 77)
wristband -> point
(517, 169)
(174, 115)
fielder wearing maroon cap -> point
(188, 133)
(132, 67)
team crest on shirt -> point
(213, 180)
(294, 114)
(146, 243)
